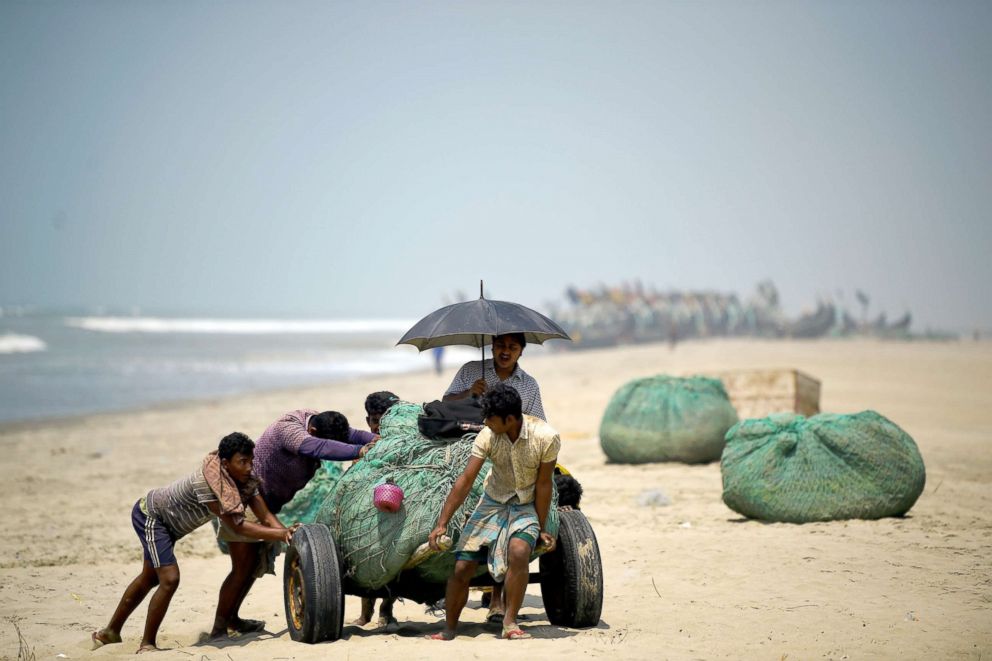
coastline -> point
(720, 586)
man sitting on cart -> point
(510, 518)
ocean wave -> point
(12, 343)
(237, 326)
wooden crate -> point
(760, 392)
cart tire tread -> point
(572, 574)
(312, 590)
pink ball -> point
(387, 497)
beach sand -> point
(688, 580)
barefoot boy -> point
(510, 518)
(376, 405)
(222, 486)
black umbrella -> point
(476, 323)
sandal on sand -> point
(247, 626)
(440, 635)
(146, 648)
(515, 634)
(495, 617)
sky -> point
(369, 159)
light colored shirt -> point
(515, 463)
(525, 385)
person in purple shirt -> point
(287, 456)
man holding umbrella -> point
(476, 377)
(508, 326)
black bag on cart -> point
(451, 419)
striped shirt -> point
(182, 506)
(525, 385)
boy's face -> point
(373, 421)
(506, 352)
(500, 425)
(239, 466)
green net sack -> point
(374, 545)
(827, 467)
(307, 502)
(666, 418)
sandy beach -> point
(688, 580)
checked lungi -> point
(492, 524)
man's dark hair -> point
(330, 425)
(234, 443)
(519, 337)
(379, 402)
(502, 401)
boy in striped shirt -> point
(222, 486)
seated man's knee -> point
(464, 570)
(520, 551)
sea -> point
(58, 365)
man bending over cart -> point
(511, 516)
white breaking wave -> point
(238, 326)
(11, 343)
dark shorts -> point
(155, 538)
(482, 555)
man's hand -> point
(479, 388)
(433, 537)
(547, 541)
(288, 533)
(364, 450)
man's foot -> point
(514, 633)
(104, 637)
(441, 635)
(146, 647)
(388, 622)
(495, 616)
(240, 626)
(361, 621)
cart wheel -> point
(312, 586)
(572, 574)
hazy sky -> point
(365, 158)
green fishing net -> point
(307, 502)
(789, 468)
(374, 546)
(667, 418)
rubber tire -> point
(312, 571)
(572, 574)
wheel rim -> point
(297, 600)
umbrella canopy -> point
(476, 323)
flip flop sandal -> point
(440, 635)
(515, 634)
(495, 617)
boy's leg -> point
(496, 607)
(515, 584)
(234, 589)
(368, 610)
(133, 595)
(168, 581)
(456, 596)
(386, 618)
